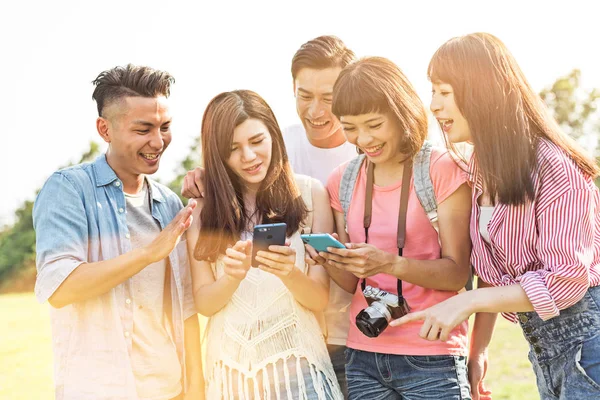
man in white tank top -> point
(315, 147)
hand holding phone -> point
(236, 262)
(266, 235)
(321, 241)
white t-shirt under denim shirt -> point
(154, 357)
(318, 163)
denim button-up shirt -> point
(80, 217)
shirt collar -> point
(105, 175)
(474, 176)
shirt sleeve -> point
(183, 263)
(566, 250)
(61, 227)
(189, 307)
(446, 175)
(333, 187)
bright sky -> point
(52, 50)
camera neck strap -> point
(404, 192)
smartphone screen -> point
(266, 235)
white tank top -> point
(485, 215)
(263, 324)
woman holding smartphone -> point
(264, 340)
(535, 222)
(382, 115)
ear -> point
(102, 125)
(294, 87)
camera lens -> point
(370, 326)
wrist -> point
(232, 280)
(477, 302)
(397, 266)
(144, 255)
(289, 278)
(477, 351)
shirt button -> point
(537, 349)
(523, 318)
(128, 301)
(127, 235)
(126, 334)
(117, 184)
(121, 210)
(528, 329)
(533, 339)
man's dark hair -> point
(130, 81)
(320, 53)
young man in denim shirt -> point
(112, 260)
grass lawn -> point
(26, 354)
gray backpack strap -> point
(348, 181)
(425, 192)
(424, 185)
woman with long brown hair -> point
(395, 259)
(263, 338)
(535, 223)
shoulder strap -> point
(348, 181)
(425, 192)
(424, 185)
(305, 185)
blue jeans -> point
(565, 350)
(338, 360)
(377, 376)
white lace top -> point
(261, 325)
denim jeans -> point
(377, 376)
(565, 350)
(338, 360)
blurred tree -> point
(192, 161)
(17, 243)
(574, 108)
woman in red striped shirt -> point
(535, 223)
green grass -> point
(26, 355)
(509, 373)
(25, 349)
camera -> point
(383, 307)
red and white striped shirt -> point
(551, 245)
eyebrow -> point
(307, 92)
(147, 123)
(366, 122)
(253, 137)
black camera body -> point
(383, 307)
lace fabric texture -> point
(261, 325)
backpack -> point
(422, 184)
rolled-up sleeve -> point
(60, 224)
(566, 249)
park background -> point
(51, 51)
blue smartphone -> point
(266, 235)
(321, 241)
